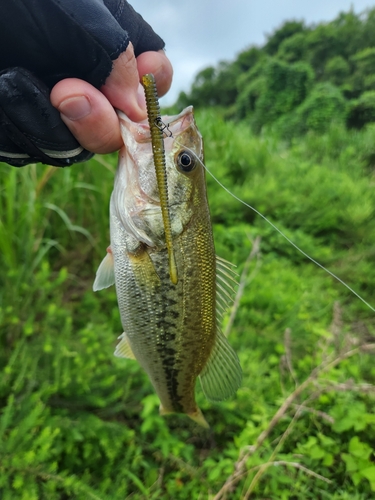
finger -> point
(88, 114)
(122, 87)
(160, 66)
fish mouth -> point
(171, 119)
(141, 130)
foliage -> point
(280, 35)
(293, 48)
(362, 110)
(213, 86)
(336, 70)
(267, 84)
(279, 88)
(365, 60)
(324, 105)
(76, 422)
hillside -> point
(303, 78)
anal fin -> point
(222, 375)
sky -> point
(200, 33)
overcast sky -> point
(199, 33)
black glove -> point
(43, 42)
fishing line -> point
(277, 229)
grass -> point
(76, 422)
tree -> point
(279, 88)
(349, 33)
(337, 70)
(362, 77)
(324, 105)
(214, 86)
(362, 110)
(322, 45)
(203, 88)
(247, 59)
(265, 83)
(294, 48)
(288, 29)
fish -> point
(171, 327)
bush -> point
(365, 60)
(287, 30)
(362, 110)
(336, 70)
(293, 49)
(279, 88)
(78, 423)
(323, 106)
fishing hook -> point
(163, 127)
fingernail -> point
(75, 108)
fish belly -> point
(171, 328)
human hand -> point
(89, 112)
(76, 48)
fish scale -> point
(170, 328)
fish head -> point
(135, 199)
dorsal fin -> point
(226, 280)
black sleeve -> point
(56, 39)
(45, 41)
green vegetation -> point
(303, 78)
(78, 423)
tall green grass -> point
(75, 422)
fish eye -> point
(186, 161)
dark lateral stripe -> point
(168, 357)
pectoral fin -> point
(123, 349)
(105, 275)
(222, 375)
(144, 269)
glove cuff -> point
(31, 129)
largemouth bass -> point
(171, 329)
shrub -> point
(362, 110)
(323, 106)
(293, 49)
(279, 88)
(336, 70)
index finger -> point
(122, 87)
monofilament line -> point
(281, 233)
